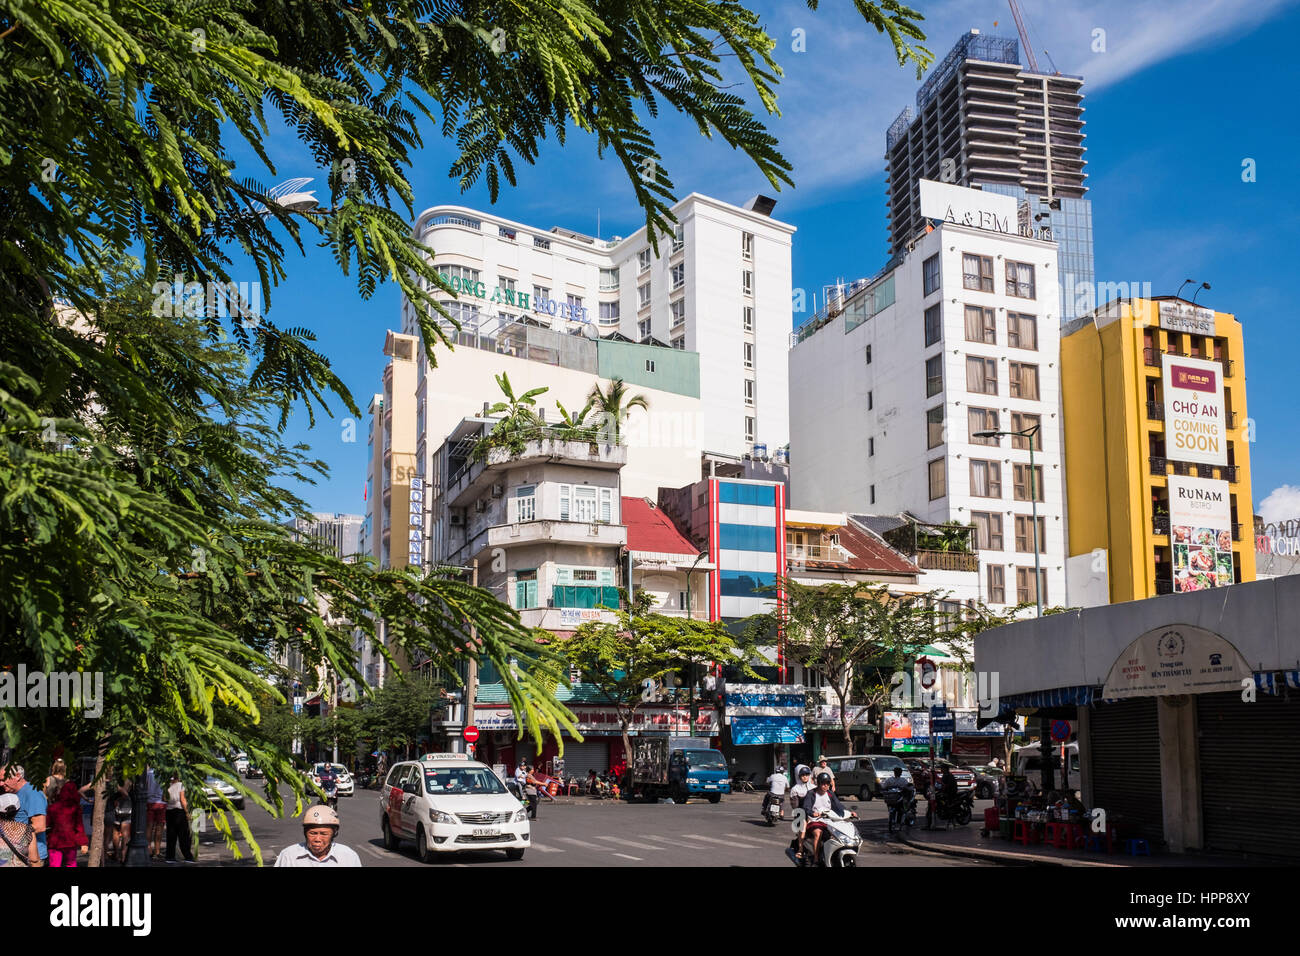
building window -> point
(871, 447)
(525, 589)
(749, 391)
(1020, 280)
(938, 479)
(608, 280)
(933, 325)
(643, 329)
(982, 420)
(679, 237)
(981, 325)
(575, 309)
(540, 243)
(581, 503)
(468, 278)
(749, 430)
(747, 245)
(988, 530)
(934, 427)
(1023, 380)
(1021, 476)
(868, 354)
(1022, 422)
(506, 285)
(930, 274)
(679, 275)
(977, 272)
(643, 295)
(1025, 534)
(985, 478)
(873, 494)
(747, 282)
(749, 354)
(933, 376)
(540, 294)
(649, 365)
(871, 399)
(1022, 331)
(679, 343)
(678, 310)
(609, 312)
(1025, 591)
(981, 375)
(526, 503)
(643, 261)
(997, 584)
(748, 315)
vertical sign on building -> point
(1195, 423)
(416, 534)
(1200, 527)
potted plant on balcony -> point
(519, 423)
(614, 406)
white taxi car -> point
(448, 803)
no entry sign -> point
(471, 734)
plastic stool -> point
(1138, 846)
(1024, 833)
(1094, 841)
(1075, 836)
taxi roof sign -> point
(449, 756)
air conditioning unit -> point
(481, 505)
(457, 519)
(498, 491)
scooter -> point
(331, 788)
(840, 841)
(902, 805)
(958, 811)
(772, 805)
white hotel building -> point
(720, 287)
(959, 334)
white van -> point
(447, 803)
(1027, 761)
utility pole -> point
(471, 672)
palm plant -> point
(519, 424)
(573, 426)
(614, 404)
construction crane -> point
(1024, 36)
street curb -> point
(999, 857)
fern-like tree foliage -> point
(140, 454)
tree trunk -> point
(845, 723)
(97, 813)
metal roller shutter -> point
(579, 758)
(1125, 753)
(1240, 808)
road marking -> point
(676, 842)
(584, 843)
(373, 852)
(542, 848)
(632, 843)
(747, 846)
(626, 857)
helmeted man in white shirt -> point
(776, 785)
(320, 828)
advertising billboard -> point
(1195, 424)
(1200, 530)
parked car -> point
(987, 779)
(241, 762)
(212, 786)
(254, 772)
(921, 774)
(861, 775)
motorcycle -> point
(958, 811)
(901, 802)
(331, 788)
(840, 841)
(772, 808)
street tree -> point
(628, 659)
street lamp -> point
(1205, 287)
(1186, 282)
(1043, 736)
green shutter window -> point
(525, 589)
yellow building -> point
(1120, 449)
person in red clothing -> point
(67, 834)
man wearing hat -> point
(320, 829)
(823, 767)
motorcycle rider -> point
(947, 793)
(818, 803)
(896, 782)
(804, 777)
(329, 782)
(776, 785)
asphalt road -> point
(580, 831)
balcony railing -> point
(1156, 411)
(1163, 586)
(1230, 419)
(1160, 524)
(1228, 366)
(1158, 465)
(1182, 468)
(1151, 356)
(814, 552)
(1229, 473)
(947, 561)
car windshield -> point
(705, 760)
(461, 780)
(887, 764)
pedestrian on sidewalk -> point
(67, 833)
(531, 790)
(17, 839)
(119, 804)
(32, 806)
(157, 814)
(178, 820)
(54, 782)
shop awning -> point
(1080, 696)
(1272, 682)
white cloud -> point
(1281, 505)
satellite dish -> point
(291, 196)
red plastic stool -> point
(1024, 833)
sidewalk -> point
(966, 841)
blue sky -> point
(1181, 94)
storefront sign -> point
(1195, 427)
(571, 617)
(968, 207)
(1200, 527)
(766, 730)
(1282, 538)
(1178, 659)
(830, 714)
(765, 700)
(604, 722)
(1184, 317)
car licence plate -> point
(486, 831)
(710, 786)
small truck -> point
(678, 768)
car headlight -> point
(692, 779)
(437, 816)
(521, 815)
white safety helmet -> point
(320, 816)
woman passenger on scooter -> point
(818, 803)
(804, 777)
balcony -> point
(1182, 468)
(1229, 367)
(947, 561)
(1157, 465)
(1155, 411)
(1151, 356)
(1229, 473)
(1230, 420)
(545, 531)
(1160, 524)
(815, 552)
(1163, 586)
(474, 480)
